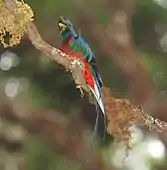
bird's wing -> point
(96, 90)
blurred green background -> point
(30, 78)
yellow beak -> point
(61, 25)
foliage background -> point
(30, 79)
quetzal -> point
(74, 46)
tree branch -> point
(118, 36)
(122, 111)
(74, 65)
(115, 41)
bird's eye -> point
(69, 23)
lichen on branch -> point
(16, 19)
(9, 25)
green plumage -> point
(75, 46)
(80, 47)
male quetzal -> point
(74, 46)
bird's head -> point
(65, 25)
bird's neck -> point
(66, 35)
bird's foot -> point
(81, 91)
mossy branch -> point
(19, 22)
(120, 112)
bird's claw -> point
(81, 91)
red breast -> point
(86, 72)
(87, 75)
(65, 45)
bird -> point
(73, 45)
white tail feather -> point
(98, 97)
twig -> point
(70, 64)
(120, 46)
(114, 107)
(115, 41)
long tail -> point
(99, 105)
(96, 124)
(97, 93)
